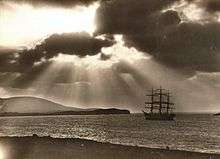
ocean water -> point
(199, 133)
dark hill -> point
(30, 106)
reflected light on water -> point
(2, 153)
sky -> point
(109, 53)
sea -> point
(191, 132)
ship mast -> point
(168, 101)
(160, 101)
(158, 106)
(152, 101)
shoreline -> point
(48, 148)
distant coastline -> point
(32, 106)
(89, 112)
(217, 114)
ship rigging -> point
(159, 105)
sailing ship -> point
(159, 106)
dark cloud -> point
(188, 46)
(59, 3)
(13, 60)
(105, 56)
(30, 63)
(17, 67)
(80, 44)
(169, 18)
(8, 59)
(213, 5)
(128, 16)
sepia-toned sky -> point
(108, 53)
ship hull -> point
(157, 116)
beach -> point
(34, 147)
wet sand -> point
(50, 148)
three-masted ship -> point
(159, 106)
